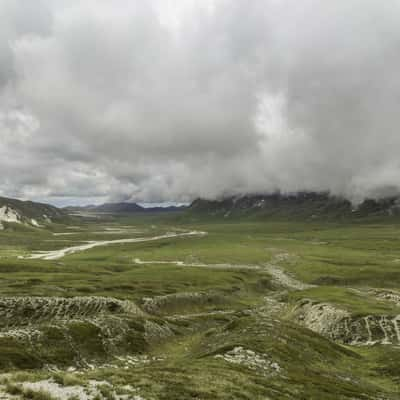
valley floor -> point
(167, 309)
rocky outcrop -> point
(258, 362)
(339, 325)
(21, 311)
(75, 331)
(29, 213)
(387, 295)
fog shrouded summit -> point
(171, 100)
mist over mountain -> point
(301, 205)
(159, 100)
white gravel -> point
(56, 254)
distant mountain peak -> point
(123, 207)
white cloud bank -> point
(170, 100)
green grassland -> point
(211, 304)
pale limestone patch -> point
(282, 278)
(88, 392)
(259, 362)
(8, 214)
(339, 325)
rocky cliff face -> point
(27, 213)
(339, 325)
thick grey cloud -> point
(170, 100)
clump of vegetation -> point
(107, 392)
(13, 388)
(27, 393)
(66, 379)
(30, 394)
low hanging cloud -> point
(170, 100)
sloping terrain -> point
(42, 331)
(27, 213)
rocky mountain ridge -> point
(311, 205)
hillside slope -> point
(27, 213)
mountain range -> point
(304, 205)
(298, 205)
(122, 208)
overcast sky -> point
(168, 100)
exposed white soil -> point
(47, 219)
(388, 295)
(22, 311)
(339, 325)
(8, 214)
(196, 264)
(124, 362)
(106, 231)
(321, 317)
(56, 254)
(283, 279)
(260, 363)
(22, 334)
(91, 390)
(135, 361)
(61, 392)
